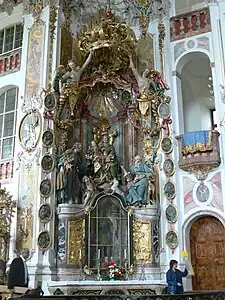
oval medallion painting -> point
(44, 240)
(169, 167)
(29, 130)
(50, 102)
(167, 145)
(48, 138)
(45, 213)
(172, 239)
(47, 163)
(46, 188)
(171, 213)
(169, 190)
(164, 110)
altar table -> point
(132, 287)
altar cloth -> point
(106, 283)
(129, 287)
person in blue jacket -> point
(174, 278)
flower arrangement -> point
(113, 272)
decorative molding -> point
(28, 158)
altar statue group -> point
(80, 176)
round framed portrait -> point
(169, 167)
(171, 213)
(50, 102)
(29, 130)
(46, 188)
(48, 138)
(172, 239)
(169, 190)
(44, 240)
(164, 110)
(47, 163)
(45, 213)
(166, 144)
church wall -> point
(191, 206)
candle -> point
(99, 251)
(125, 253)
(80, 254)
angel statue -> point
(72, 76)
(138, 180)
(149, 84)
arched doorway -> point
(207, 245)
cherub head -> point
(146, 73)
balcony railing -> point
(6, 171)
(199, 151)
(189, 24)
(10, 62)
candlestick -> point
(99, 253)
(125, 253)
(80, 254)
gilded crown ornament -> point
(107, 32)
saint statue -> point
(109, 158)
(101, 158)
(68, 179)
(138, 180)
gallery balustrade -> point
(10, 62)
(189, 24)
(6, 170)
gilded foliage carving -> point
(142, 241)
(75, 241)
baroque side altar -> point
(102, 121)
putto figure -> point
(72, 76)
(150, 83)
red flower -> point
(105, 265)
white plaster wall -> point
(15, 79)
(215, 51)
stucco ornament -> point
(130, 10)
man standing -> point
(18, 273)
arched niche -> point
(108, 232)
(194, 92)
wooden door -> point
(207, 241)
